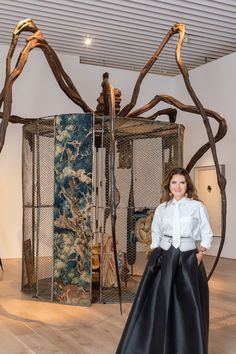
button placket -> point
(176, 227)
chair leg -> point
(1, 263)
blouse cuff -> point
(205, 244)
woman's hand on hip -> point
(199, 256)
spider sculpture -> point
(36, 39)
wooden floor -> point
(32, 326)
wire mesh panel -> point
(145, 152)
(38, 200)
(57, 195)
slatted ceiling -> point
(127, 32)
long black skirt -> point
(170, 313)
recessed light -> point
(87, 41)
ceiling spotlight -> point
(87, 41)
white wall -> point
(37, 94)
(215, 85)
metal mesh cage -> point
(145, 152)
(38, 202)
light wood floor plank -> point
(11, 343)
(31, 326)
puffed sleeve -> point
(156, 228)
(205, 228)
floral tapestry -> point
(72, 208)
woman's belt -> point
(186, 243)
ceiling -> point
(126, 33)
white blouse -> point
(194, 221)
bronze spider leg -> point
(170, 112)
(109, 101)
(220, 178)
(222, 130)
(177, 28)
(180, 28)
(26, 24)
(36, 40)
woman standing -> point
(170, 313)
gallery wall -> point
(37, 94)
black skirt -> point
(170, 313)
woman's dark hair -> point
(191, 190)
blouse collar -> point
(182, 201)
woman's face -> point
(178, 186)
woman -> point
(170, 313)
